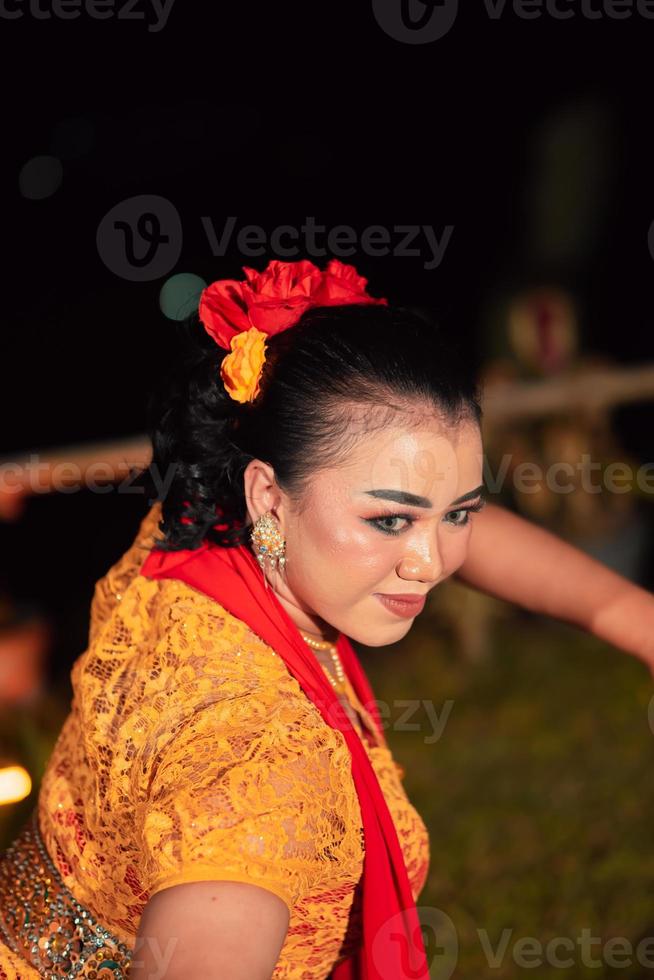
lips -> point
(402, 604)
(403, 596)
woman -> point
(221, 801)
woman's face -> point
(390, 521)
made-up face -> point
(395, 519)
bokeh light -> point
(15, 784)
(180, 295)
(40, 177)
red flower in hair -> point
(276, 298)
(342, 284)
(271, 300)
(239, 315)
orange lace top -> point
(190, 752)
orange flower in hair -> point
(240, 315)
(241, 370)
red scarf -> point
(392, 945)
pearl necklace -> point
(339, 683)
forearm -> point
(516, 560)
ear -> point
(261, 491)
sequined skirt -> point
(43, 923)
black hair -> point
(335, 375)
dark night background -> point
(271, 114)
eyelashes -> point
(376, 522)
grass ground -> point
(538, 796)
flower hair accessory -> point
(241, 315)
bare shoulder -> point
(205, 929)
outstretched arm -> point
(512, 558)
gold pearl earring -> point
(269, 545)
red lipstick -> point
(406, 604)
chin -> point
(383, 637)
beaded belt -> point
(42, 922)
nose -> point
(421, 568)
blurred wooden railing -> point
(587, 389)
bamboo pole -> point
(591, 389)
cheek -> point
(455, 550)
(338, 557)
(342, 539)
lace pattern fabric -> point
(190, 752)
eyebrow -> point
(414, 500)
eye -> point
(466, 511)
(378, 522)
(465, 519)
(382, 522)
